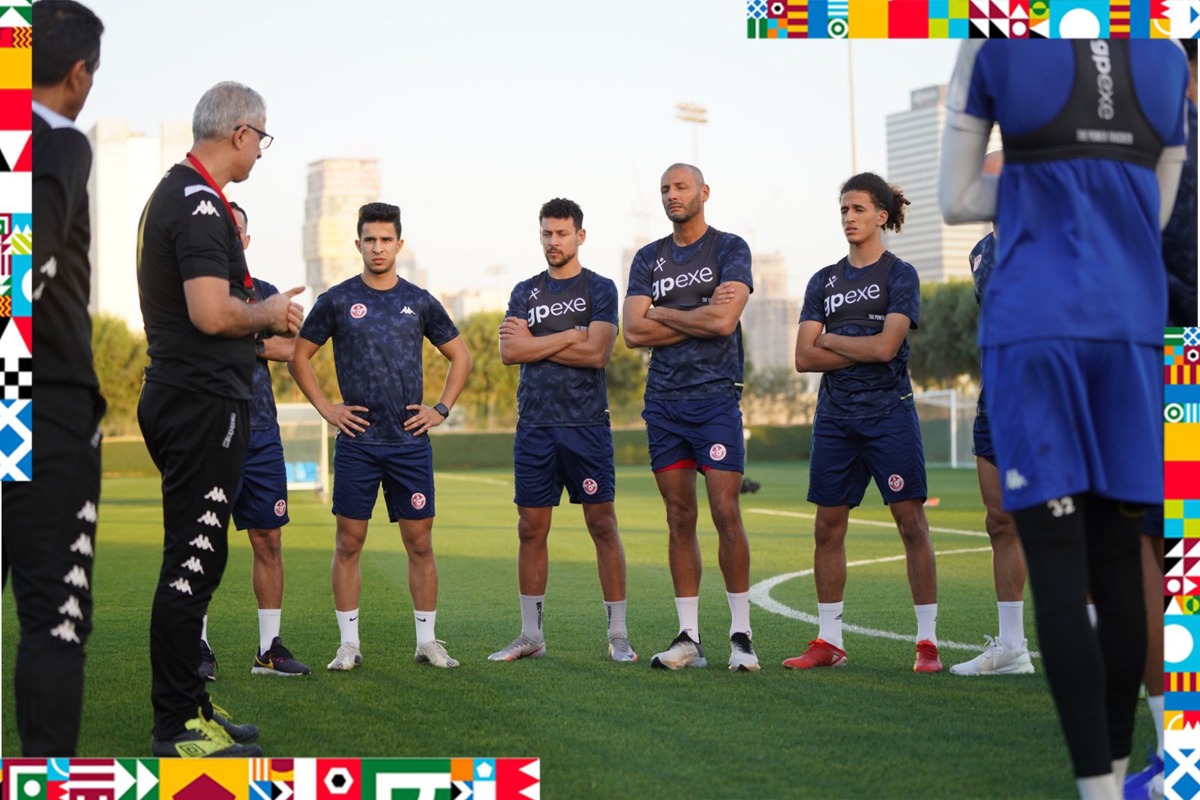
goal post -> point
(305, 437)
(947, 417)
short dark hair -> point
(379, 212)
(885, 196)
(562, 208)
(64, 33)
(1189, 47)
(245, 216)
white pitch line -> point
(760, 595)
(473, 479)
(798, 515)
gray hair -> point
(225, 106)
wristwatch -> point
(441, 409)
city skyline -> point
(473, 132)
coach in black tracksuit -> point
(194, 288)
(50, 523)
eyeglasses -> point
(264, 138)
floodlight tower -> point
(695, 115)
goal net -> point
(305, 437)
(946, 417)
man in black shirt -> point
(50, 523)
(195, 291)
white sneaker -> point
(434, 653)
(348, 657)
(619, 649)
(521, 647)
(683, 652)
(741, 654)
(997, 659)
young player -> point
(853, 327)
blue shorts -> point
(580, 458)
(702, 433)
(1080, 416)
(262, 493)
(405, 471)
(983, 446)
(847, 453)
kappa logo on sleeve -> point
(206, 207)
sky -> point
(481, 111)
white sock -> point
(268, 627)
(348, 625)
(1120, 767)
(531, 616)
(927, 622)
(425, 621)
(1092, 614)
(1098, 787)
(1156, 712)
(689, 616)
(1012, 623)
(831, 623)
(739, 610)
(204, 629)
(616, 618)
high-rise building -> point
(337, 188)
(914, 142)
(769, 321)
(126, 166)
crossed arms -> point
(658, 326)
(825, 352)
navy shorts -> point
(547, 459)
(405, 471)
(983, 445)
(1080, 416)
(262, 494)
(848, 453)
(701, 433)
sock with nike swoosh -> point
(425, 620)
(348, 625)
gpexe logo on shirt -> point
(835, 301)
(536, 314)
(664, 285)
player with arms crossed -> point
(685, 300)
(854, 328)
(377, 322)
(560, 327)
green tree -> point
(625, 377)
(944, 347)
(490, 399)
(120, 358)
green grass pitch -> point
(871, 730)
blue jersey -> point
(1078, 198)
(686, 277)
(262, 396)
(1179, 240)
(377, 338)
(549, 394)
(863, 390)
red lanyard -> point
(249, 282)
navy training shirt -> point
(864, 390)
(695, 367)
(377, 339)
(551, 394)
(263, 415)
(1179, 240)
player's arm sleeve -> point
(735, 260)
(904, 292)
(965, 194)
(320, 322)
(439, 328)
(638, 330)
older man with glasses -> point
(201, 331)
